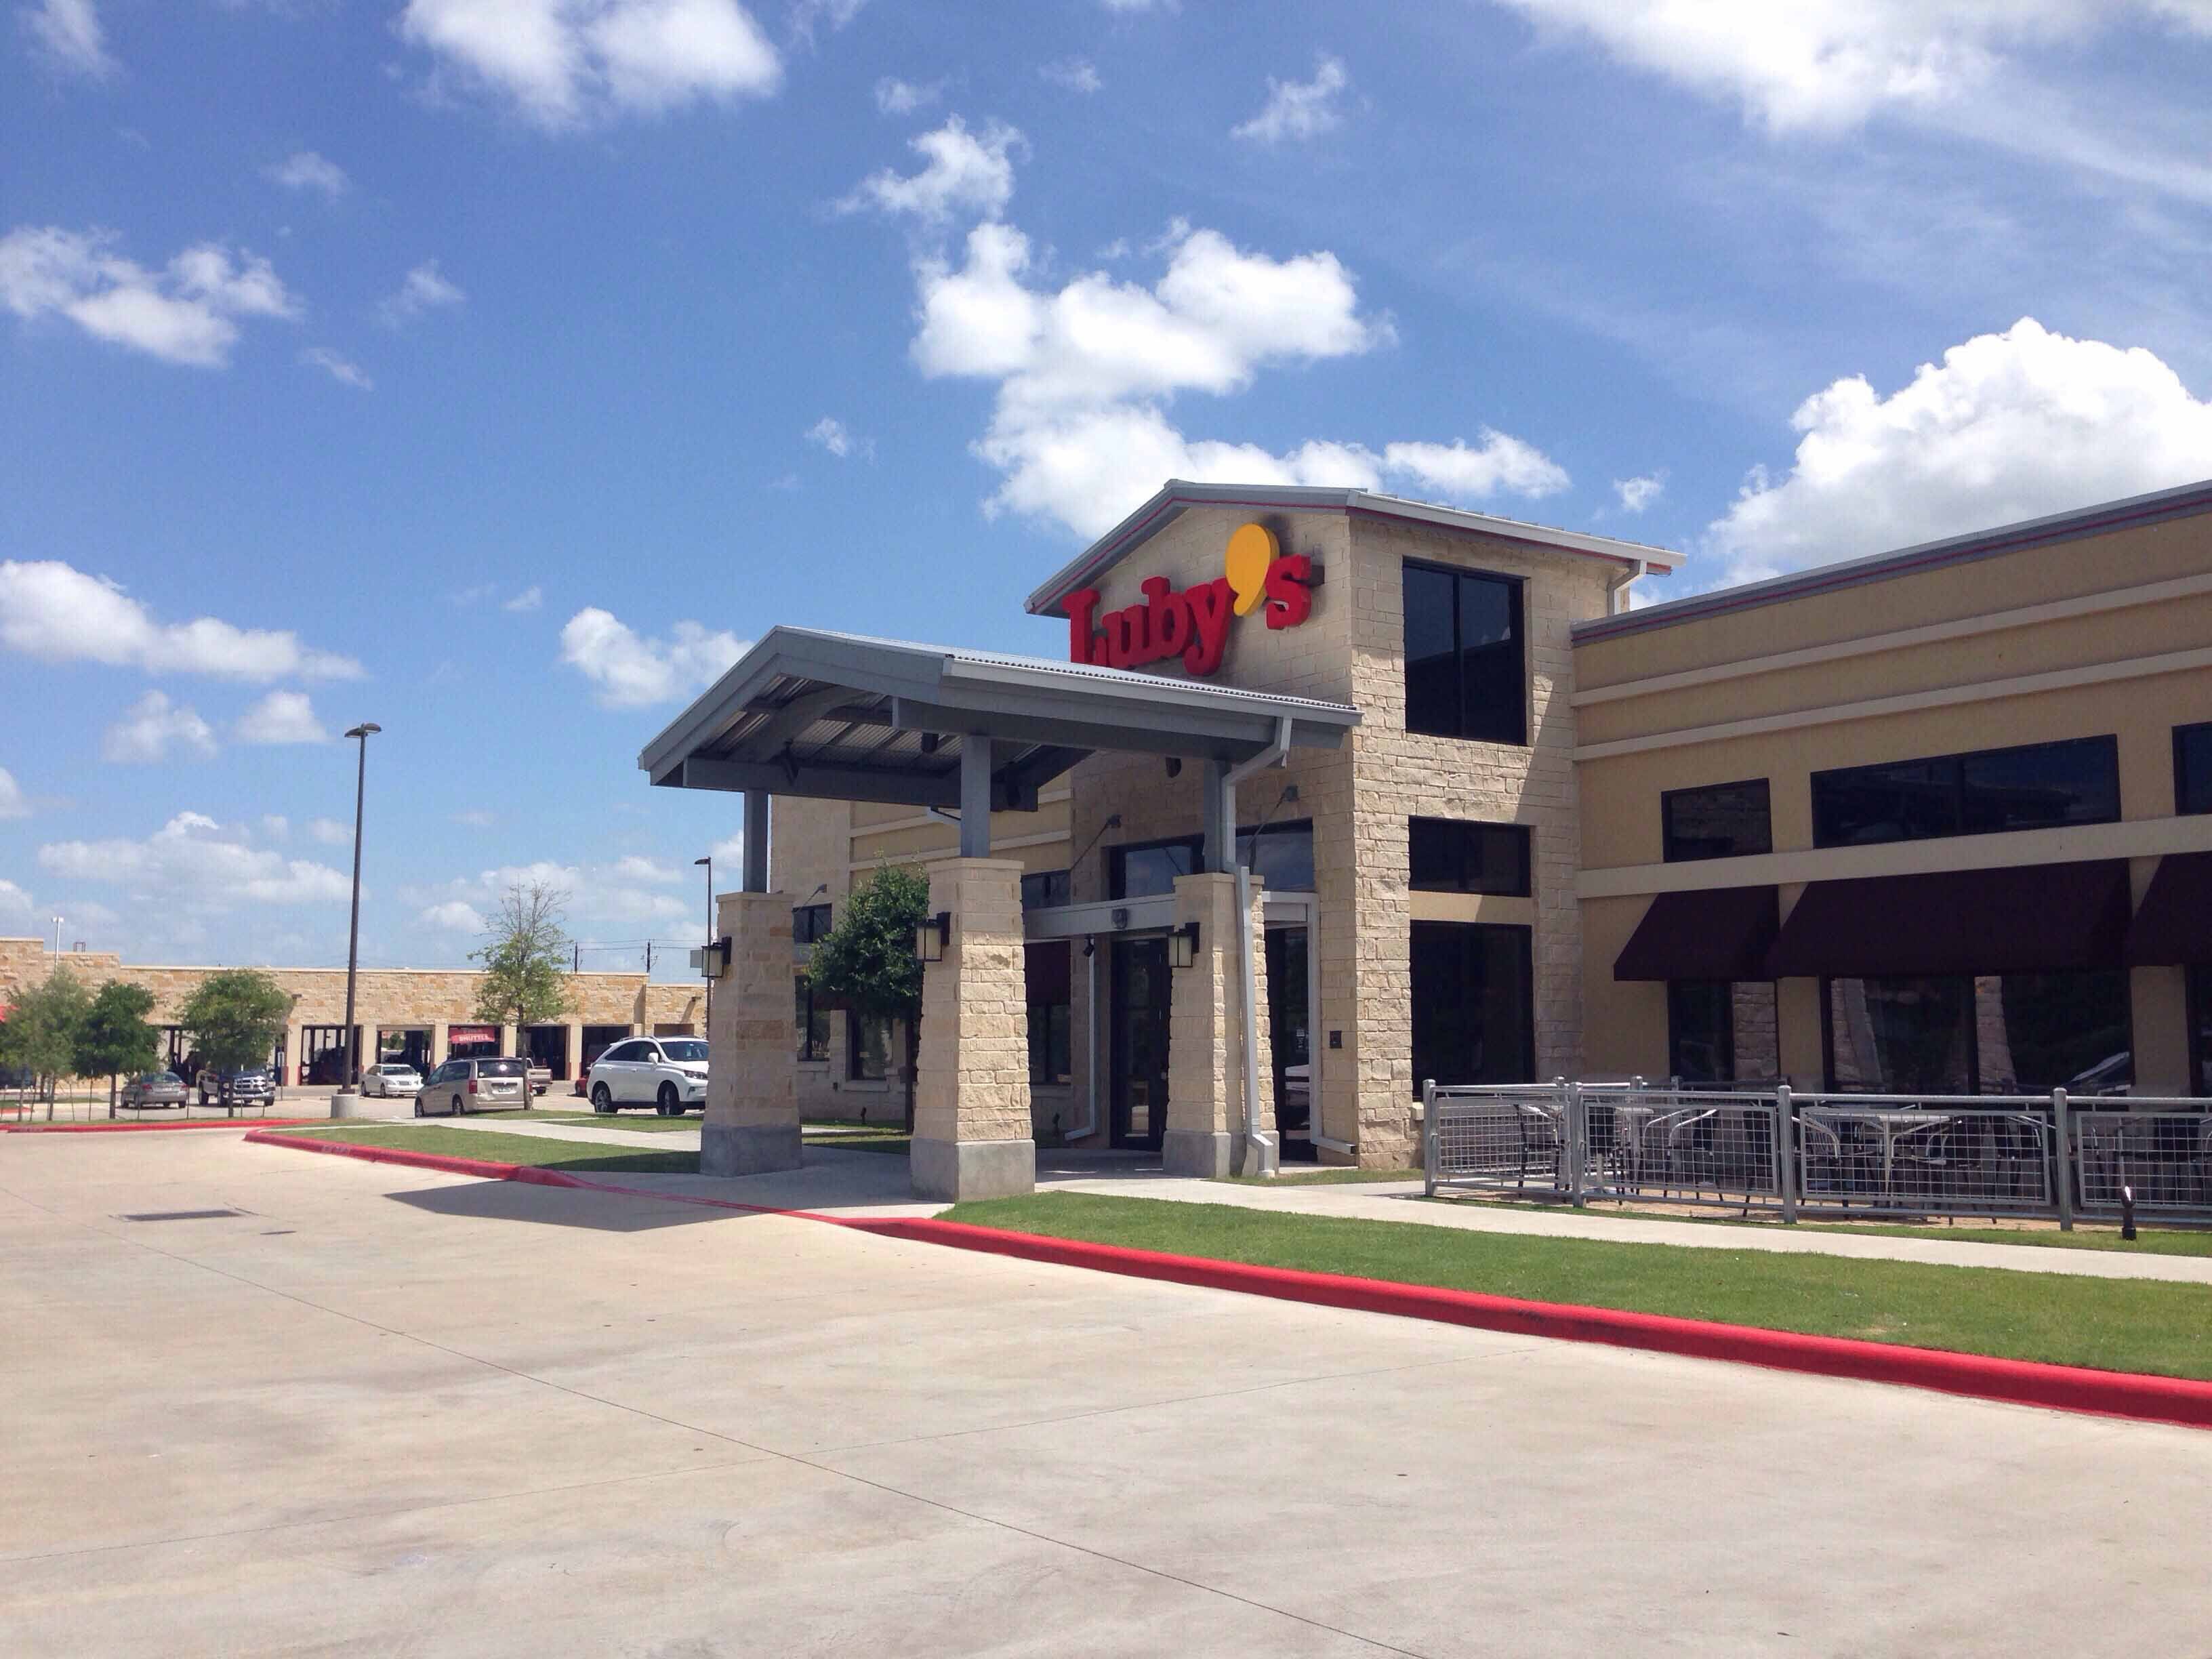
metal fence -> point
(1774, 1151)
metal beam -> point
(1217, 818)
(1019, 781)
(788, 722)
(975, 796)
(826, 782)
(1230, 737)
(756, 832)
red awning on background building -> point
(2174, 925)
(2032, 919)
(471, 1034)
(1715, 933)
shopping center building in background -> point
(1935, 821)
(420, 1017)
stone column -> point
(972, 1133)
(510, 1040)
(752, 1092)
(575, 1047)
(441, 1042)
(295, 1041)
(1205, 1037)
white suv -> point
(666, 1073)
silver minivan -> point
(473, 1085)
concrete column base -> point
(1267, 1160)
(744, 1149)
(955, 1171)
(1198, 1154)
(345, 1105)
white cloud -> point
(68, 35)
(2010, 426)
(832, 434)
(475, 817)
(198, 864)
(341, 370)
(12, 804)
(57, 613)
(276, 826)
(625, 897)
(1298, 109)
(898, 97)
(305, 170)
(530, 599)
(151, 727)
(963, 173)
(426, 289)
(187, 313)
(632, 670)
(454, 916)
(281, 717)
(1637, 493)
(1128, 6)
(631, 867)
(1075, 74)
(1498, 463)
(566, 61)
(808, 15)
(330, 832)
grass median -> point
(578, 1157)
(2107, 1324)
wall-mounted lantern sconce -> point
(712, 961)
(1183, 945)
(931, 938)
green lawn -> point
(858, 1137)
(645, 1120)
(447, 1142)
(2123, 1325)
(1307, 1176)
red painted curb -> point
(120, 1127)
(2130, 1394)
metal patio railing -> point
(1774, 1151)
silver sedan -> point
(153, 1089)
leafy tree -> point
(114, 1037)
(235, 1017)
(525, 982)
(866, 960)
(40, 1034)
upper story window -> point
(1044, 888)
(1720, 821)
(1451, 855)
(2039, 785)
(1466, 669)
(1281, 855)
(2192, 767)
(809, 922)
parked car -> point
(541, 1077)
(249, 1085)
(153, 1088)
(392, 1081)
(473, 1085)
(666, 1073)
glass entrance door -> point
(1290, 1007)
(1139, 1027)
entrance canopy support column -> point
(755, 878)
(751, 1123)
(1211, 1039)
(972, 1135)
(1219, 821)
(974, 798)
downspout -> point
(1276, 754)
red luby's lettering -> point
(1193, 624)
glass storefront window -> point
(2010, 1034)
(1281, 855)
(2200, 1030)
(1901, 1036)
(1147, 872)
(1048, 1042)
(1721, 821)
(1701, 1030)
(868, 1044)
(1472, 1003)
(2038, 786)
(813, 1023)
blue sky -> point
(493, 368)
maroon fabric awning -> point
(2174, 925)
(1046, 973)
(1715, 933)
(2043, 918)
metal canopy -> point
(840, 717)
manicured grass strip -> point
(2104, 1324)
(538, 1150)
(894, 1141)
(1323, 1177)
(647, 1119)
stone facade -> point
(972, 1128)
(752, 1120)
(1206, 1038)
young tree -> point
(866, 960)
(115, 1037)
(235, 1017)
(524, 955)
(40, 1034)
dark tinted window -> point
(813, 1024)
(2200, 1029)
(1281, 855)
(2192, 768)
(1999, 1033)
(1701, 1030)
(1048, 1042)
(867, 1048)
(1466, 673)
(1044, 887)
(809, 922)
(1147, 871)
(1471, 1004)
(1720, 821)
(1449, 855)
(2036, 787)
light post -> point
(351, 1080)
(58, 936)
(709, 1014)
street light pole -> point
(351, 1080)
(709, 862)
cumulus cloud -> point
(12, 802)
(602, 898)
(454, 916)
(67, 34)
(281, 717)
(1637, 493)
(808, 15)
(1075, 74)
(2007, 427)
(898, 97)
(962, 173)
(1298, 109)
(304, 170)
(632, 670)
(632, 867)
(17, 907)
(57, 613)
(151, 727)
(197, 864)
(426, 289)
(832, 435)
(530, 599)
(330, 832)
(1471, 473)
(188, 313)
(341, 369)
(562, 62)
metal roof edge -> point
(2184, 501)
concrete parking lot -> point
(376, 1411)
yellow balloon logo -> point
(1252, 548)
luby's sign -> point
(1194, 624)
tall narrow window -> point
(867, 1048)
(2192, 767)
(813, 1024)
(1466, 671)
